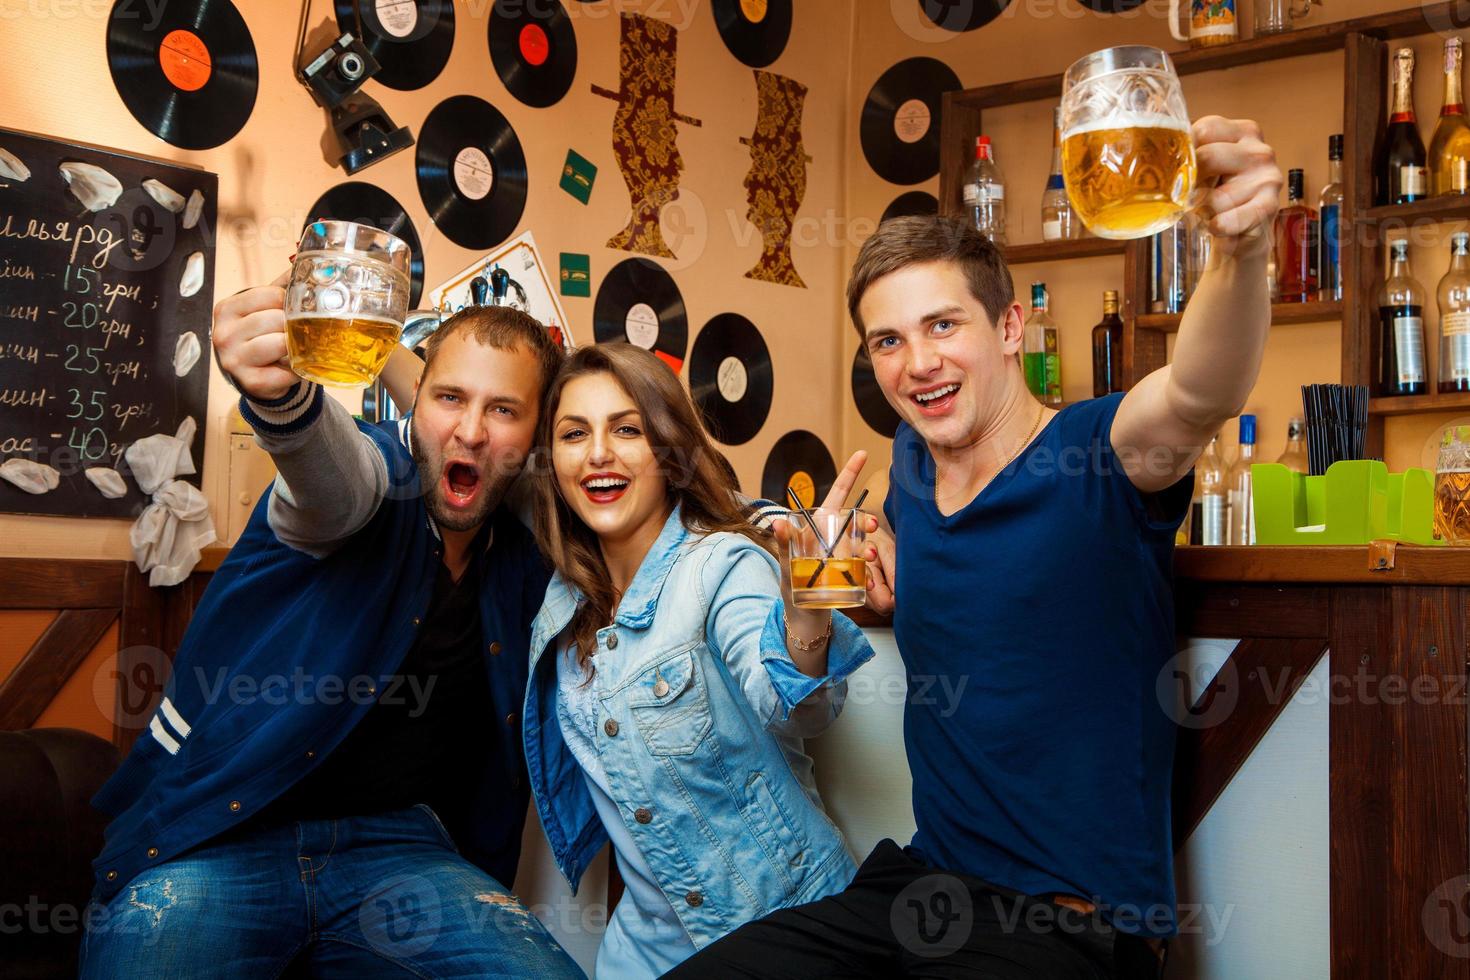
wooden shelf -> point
(1315, 312)
(1058, 251)
(1428, 210)
(1418, 564)
(1420, 404)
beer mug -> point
(346, 302)
(1452, 487)
(1127, 156)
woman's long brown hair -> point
(697, 478)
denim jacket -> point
(701, 713)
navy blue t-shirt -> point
(1033, 624)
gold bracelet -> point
(806, 645)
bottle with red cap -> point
(985, 193)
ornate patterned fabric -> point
(776, 182)
(645, 130)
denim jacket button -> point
(643, 815)
(694, 899)
(612, 641)
(611, 727)
(660, 688)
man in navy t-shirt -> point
(1029, 579)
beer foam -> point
(1129, 120)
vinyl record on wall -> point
(899, 128)
(188, 73)
(1110, 6)
(368, 204)
(798, 460)
(911, 204)
(471, 172)
(730, 378)
(640, 303)
(534, 50)
(755, 31)
(868, 397)
(410, 38)
(968, 15)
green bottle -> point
(1040, 352)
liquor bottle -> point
(1214, 512)
(1295, 455)
(1400, 168)
(1296, 244)
(1454, 317)
(1329, 255)
(1059, 222)
(1449, 150)
(1401, 329)
(985, 194)
(1039, 351)
(1242, 510)
(1107, 348)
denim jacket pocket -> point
(670, 704)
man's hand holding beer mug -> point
(249, 337)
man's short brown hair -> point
(902, 242)
(503, 328)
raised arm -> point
(1166, 419)
(332, 476)
(401, 377)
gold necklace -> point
(1019, 449)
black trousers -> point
(901, 918)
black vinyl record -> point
(640, 303)
(730, 378)
(900, 122)
(410, 38)
(187, 72)
(534, 50)
(1110, 6)
(798, 460)
(755, 31)
(471, 172)
(368, 204)
(968, 15)
(911, 204)
(868, 397)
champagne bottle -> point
(1449, 150)
(1401, 166)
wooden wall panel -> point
(78, 704)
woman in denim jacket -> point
(672, 680)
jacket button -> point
(310, 754)
(112, 876)
(612, 641)
(694, 899)
(153, 852)
(611, 727)
(494, 649)
(643, 815)
(510, 719)
(660, 688)
(235, 806)
(416, 621)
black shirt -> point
(426, 738)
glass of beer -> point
(346, 302)
(827, 567)
(1127, 156)
(1452, 487)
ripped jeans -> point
(385, 895)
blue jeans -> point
(382, 896)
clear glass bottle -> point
(1449, 150)
(1454, 317)
(1040, 355)
(985, 193)
(1242, 510)
(1059, 223)
(1294, 457)
(1329, 206)
(1170, 283)
(1401, 329)
(1213, 517)
(1296, 244)
(1107, 348)
(1401, 171)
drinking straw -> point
(827, 549)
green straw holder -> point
(1354, 502)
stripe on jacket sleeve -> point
(176, 720)
(170, 744)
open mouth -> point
(936, 401)
(604, 488)
(461, 484)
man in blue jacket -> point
(335, 772)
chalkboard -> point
(92, 314)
